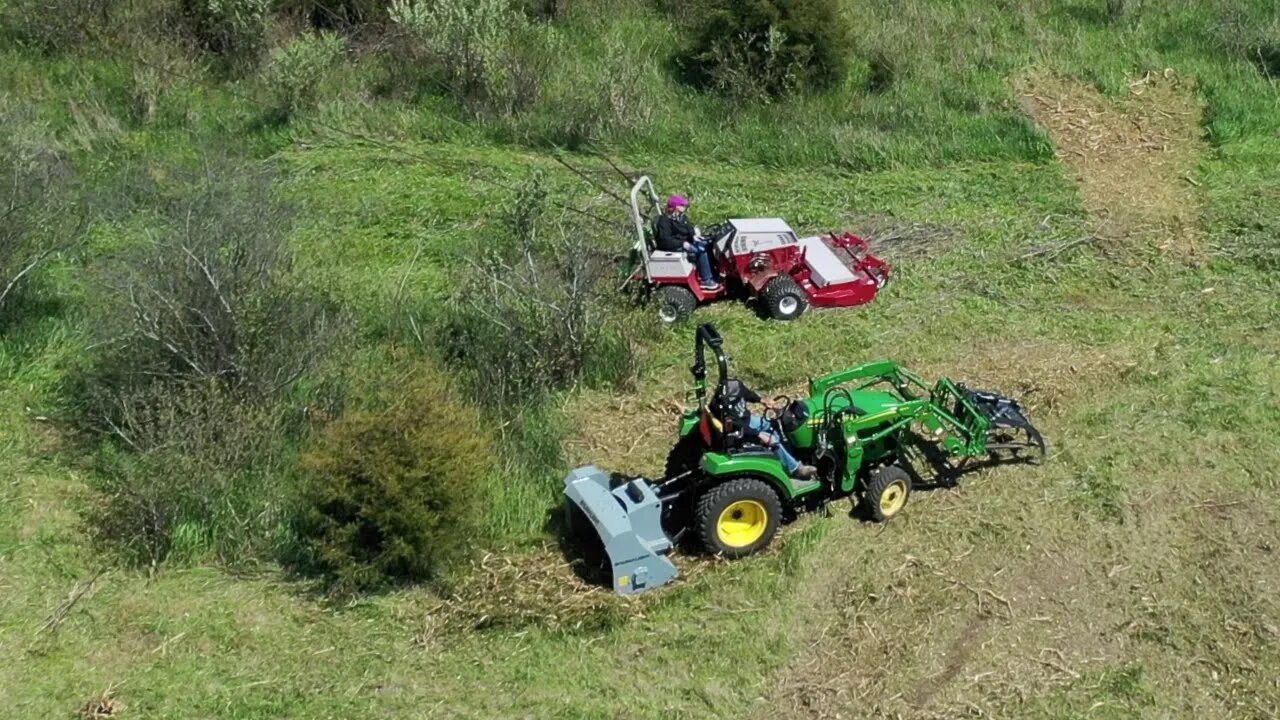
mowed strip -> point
(1134, 157)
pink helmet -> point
(676, 201)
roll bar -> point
(645, 185)
(707, 336)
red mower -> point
(756, 258)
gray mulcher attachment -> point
(628, 520)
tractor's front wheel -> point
(785, 298)
(738, 517)
(675, 303)
(886, 492)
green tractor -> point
(731, 494)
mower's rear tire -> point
(886, 492)
(738, 517)
(785, 299)
(675, 303)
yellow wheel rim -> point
(893, 497)
(742, 523)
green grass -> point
(1138, 564)
(201, 642)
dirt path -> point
(1133, 157)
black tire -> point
(685, 456)
(742, 495)
(675, 303)
(785, 299)
(886, 492)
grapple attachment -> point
(628, 521)
(1011, 435)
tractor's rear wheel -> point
(685, 457)
(738, 517)
(785, 298)
(886, 492)
(675, 303)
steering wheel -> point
(771, 413)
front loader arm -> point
(942, 408)
(906, 382)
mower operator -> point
(675, 233)
(734, 402)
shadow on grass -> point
(25, 310)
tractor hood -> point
(870, 402)
(876, 401)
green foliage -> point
(462, 39)
(395, 494)
(191, 397)
(196, 473)
(53, 27)
(38, 212)
(754, 49)
(536, 317)
(208, 297)
(299, 68)
(235, 29)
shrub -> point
(396, 494)
(208, 297)
(53, 27)
(768, 48)
(298, 68)
(190, 394)
(336, 14)
(537, 316)
(38, 216)
(463, 39)
(235, 29)
(199, 473)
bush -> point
(208, 296)
(38, 215)
(538, 316)
(396, 494)
(53, 27)
(201, 474)
(755, 49)
(463, 39)
(191, 393)
(235, 29)
(298, 68)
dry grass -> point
(103, 706)
(1040, 374)
(518, 591)
(1134, 157)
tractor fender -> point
(763, 465)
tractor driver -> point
(734, 403)
(675, 232)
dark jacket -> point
(672, 232)
(733, 402)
